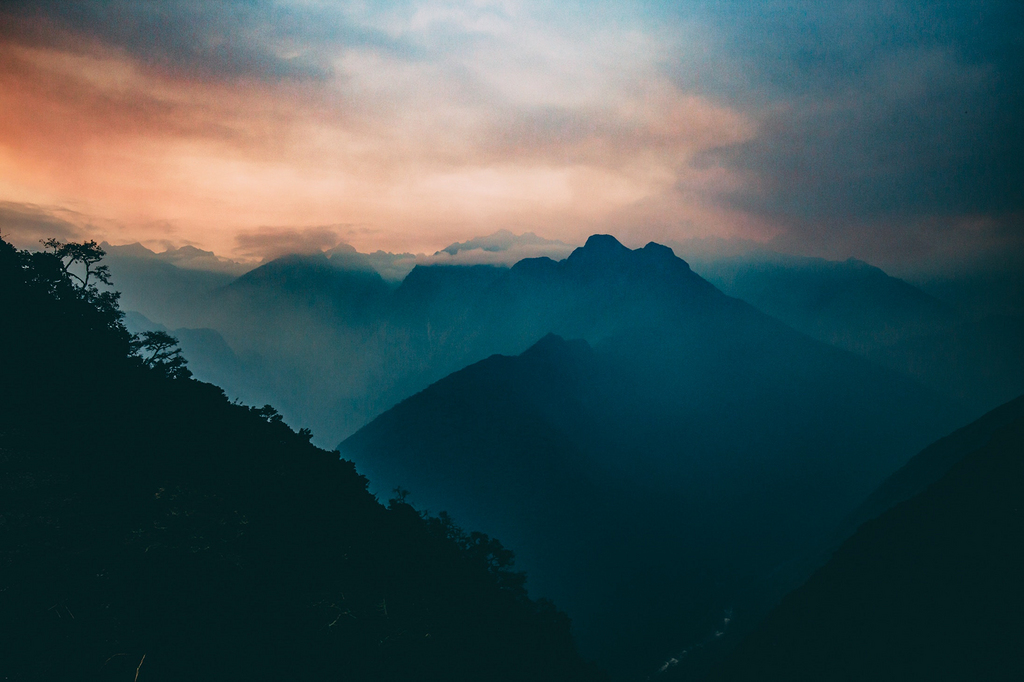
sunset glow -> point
(413, 126)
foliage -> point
(159, 351)
(153, 529)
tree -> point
(86, 254)
(62, 259)
(160, 351)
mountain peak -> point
(604, 243)
(600, 248)
(187, 250)
(135, 250)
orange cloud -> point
(409, 152)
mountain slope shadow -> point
(929, 590)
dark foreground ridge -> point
(152, 529)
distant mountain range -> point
(364, 342)
(968, 352)
(848, 304)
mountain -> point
(313, 326)
(161, 290)
(929, 590)
(956, 348)
(687, 442)
(848, 304)
(334, 346)
(151, 529)
(933, 462)
(186, 257)
(926, 467)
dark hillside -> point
(149, 527)
(933, 462)
(931, 590)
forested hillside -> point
(151, 529)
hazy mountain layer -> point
(849, 304)
(962, 350)
(333, 345)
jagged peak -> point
(599, 248)
(604, 248)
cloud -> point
(500, 248)
(221, 40)
(25, 224)
(419, 143)
(503, 240)
(844, 128)
(881, 131)
(922, 132)
(272, 242)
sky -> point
(887, 131)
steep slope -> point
(930, 590)
(933, 462)
(913, 478)
(150, 529)
(209, 357)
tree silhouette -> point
(160, 351)
(86, 254)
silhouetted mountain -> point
(346, 282)
(933, 462)
(930, 590)
(153, 530)
(686, 448)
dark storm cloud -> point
(870, 111)
(230, 39)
